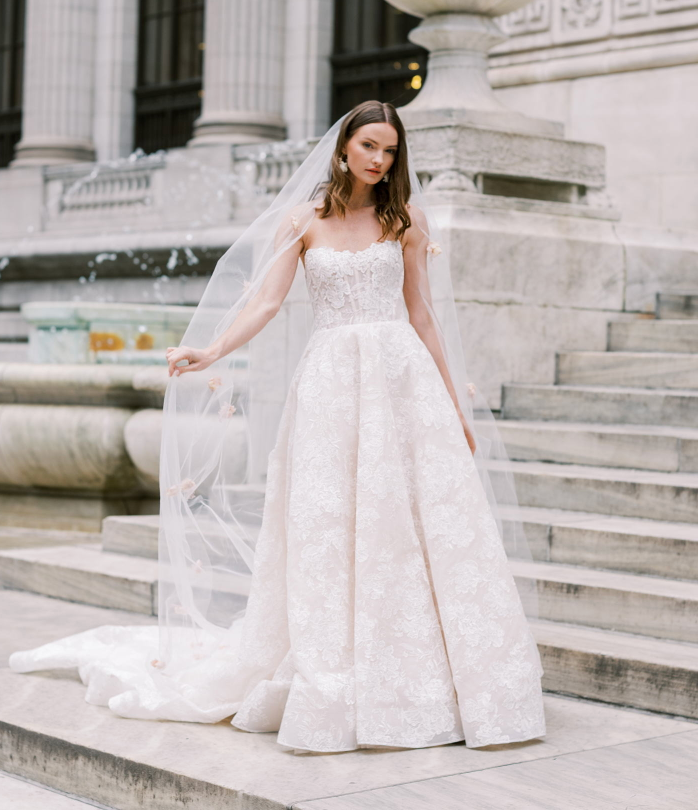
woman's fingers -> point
(176, 356)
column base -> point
(49, 151)
(243, 126)
(504, 120)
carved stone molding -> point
(565, 21)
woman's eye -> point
(392, 151)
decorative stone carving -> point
(624, 9)
(530, 19)
(546, 23)
(580, 13)
(452, 180)
(661, 6)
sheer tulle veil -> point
(220, 424)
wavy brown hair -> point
(391, 198)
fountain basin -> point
(81, 442)
(103, 332)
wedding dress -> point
(382, 610)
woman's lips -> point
(373, 171)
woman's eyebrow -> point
(392, 145)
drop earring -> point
(385, 177)
(343, 165)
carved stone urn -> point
(458, 35)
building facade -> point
(86, 80)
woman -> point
(381, 609)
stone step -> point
(652, 335)
(87, 574)
(621, 668)
(137, 535)
(50, 734)
(632, 545)
(21, 537)
(630, 603)
(677, 305)
(601, 403)
(635, 545)
(636, 369)
(605, 490)
(134, 535)
(83, 573)
(645, 447)
(651, 605)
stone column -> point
(115, 77)
(308, 72)
(59, 71)
(243, 73)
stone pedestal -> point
(458, 35)
(243, 73)
(536, 263)
(58, 105)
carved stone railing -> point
(148, 191)
(263, 170)
(102, 190)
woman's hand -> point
(468, 435)
(198, 359)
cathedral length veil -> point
(219, 426)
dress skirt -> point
(382, 609)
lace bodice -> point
(348, 287)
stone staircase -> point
(606, 469)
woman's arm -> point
(251, 319)
(420, 317)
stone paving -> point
(594, 757)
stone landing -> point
(593, 756)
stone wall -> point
(622, 73)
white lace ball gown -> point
(382, 610)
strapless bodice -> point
(347, 287)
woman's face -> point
(371, 151)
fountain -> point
(101, 332)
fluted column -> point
(58, 82)
(243, 73)
(115, 77)
(307, 67)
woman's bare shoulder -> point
(418, 224)
(416, 214)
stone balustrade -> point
(84, 189)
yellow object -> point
(145, 341)
(106, 342)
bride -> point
(334, 530)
